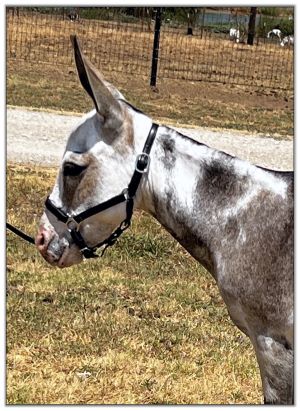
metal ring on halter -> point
(126, 194)
(138, 159)
(72, 224)
(125, 224)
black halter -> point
(73, 221)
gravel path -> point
(40, 137)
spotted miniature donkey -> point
(235, 218)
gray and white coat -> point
(235, 218)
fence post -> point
(202, 21)
(251, 26)
(155, 47)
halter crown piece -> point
(73, 221)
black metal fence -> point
(199, 50)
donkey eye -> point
(72, 169)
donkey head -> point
(98, 162)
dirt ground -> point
(228, 94)
(40, 137)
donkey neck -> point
(195, 192)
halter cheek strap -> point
(73, 221)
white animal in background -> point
(287, 41)
(234, 34)
(274, 32)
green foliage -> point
(270, 11)
(276, 11)
(96, 13)
(287, 27)
(267, 24)
(218, 27)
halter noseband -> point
(73, 221)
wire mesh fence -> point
(202, 50)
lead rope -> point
(20, 233)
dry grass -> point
(143, 325)
(128, 48)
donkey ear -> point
(94, 84)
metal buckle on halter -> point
(126, 194)
(72, 224)
(89, 252)
(139, 158)
(124, 225)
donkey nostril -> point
(41, 240)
